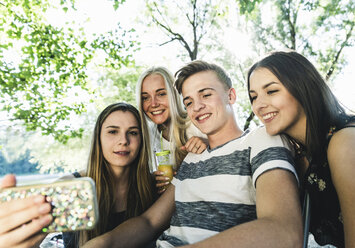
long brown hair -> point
(307, 86)
(141, 190)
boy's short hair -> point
(199, 66)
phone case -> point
(74, 204)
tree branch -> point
(336, 58)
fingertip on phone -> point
(39, 199)
(46, 219)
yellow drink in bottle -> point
(165, 165)
(167, 169)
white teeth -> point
(203, 117)
(269, 115)
(157, 112)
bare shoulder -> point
(341, 155)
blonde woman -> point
(163, 114)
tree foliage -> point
(320, 30)
(118, 86)
(189, 24)
(43, 68)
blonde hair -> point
(179, 120)
(141, 190)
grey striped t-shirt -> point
(215, 190)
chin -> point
(159, 120)
(272, 131)
(203, 130)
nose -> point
(155, 102)
(123, 139)
(198, 105)
(259, 104)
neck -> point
(121, 175)
(298, 131)
(230, 132)
(165, 129)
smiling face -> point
(120, 138)
(274, 105)
(155, 100)
(208, 103)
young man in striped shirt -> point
(240, 192)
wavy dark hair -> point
(304, 83)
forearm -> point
(259, 233)
(134, 232)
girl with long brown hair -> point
(118, 163)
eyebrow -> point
(266, 85)
(200, 91)
(117, 127)
(155, 91)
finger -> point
(25, 232)
(7, 208)
(183, 148)
(162, 184)
(162, 178)
(189, 148)
(8, 181)
(19, 218)
(201, 149)
(158, 173)
(191, 142)
(194, 149)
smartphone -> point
(74, 203)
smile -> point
(157, 112)
(269, 116)
(203, 117)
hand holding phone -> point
(21, 220)
(74, 204)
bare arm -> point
(278, 223)
(341, 158)
(21, 220)
(138, 231)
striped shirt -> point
(215, 190)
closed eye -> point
(187, 104)
(207, 95)
(252, 98)
(270, 92)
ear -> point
(232, 96)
